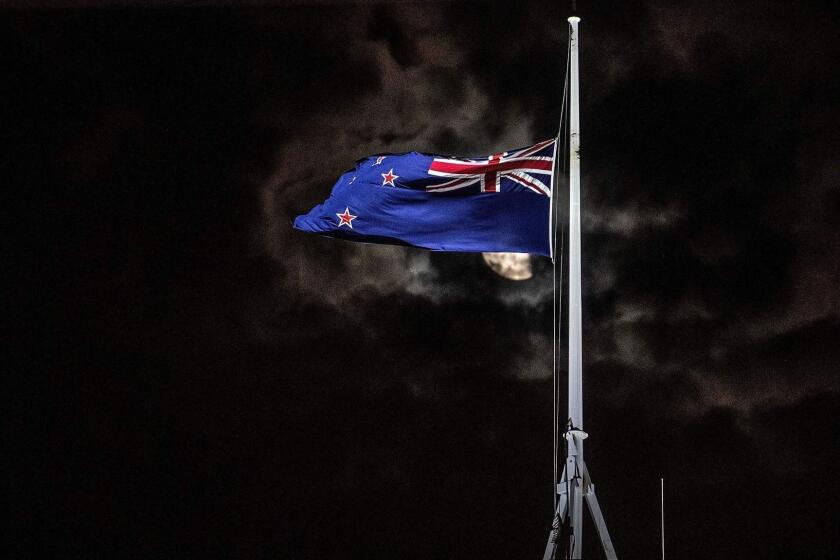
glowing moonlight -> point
(513, 266)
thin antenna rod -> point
(662, 513)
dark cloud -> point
(383, 26)
(193, 377)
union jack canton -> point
(526, 167)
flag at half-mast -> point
(497, 203)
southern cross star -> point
(389, 178)
(346, 218)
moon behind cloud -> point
(513, 266)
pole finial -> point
(574, 19)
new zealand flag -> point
(498, 203)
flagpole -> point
(575, 484)
(575, 434)
(575, 327)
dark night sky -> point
(189, 377)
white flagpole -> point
(575, 485)
(575, 328)
(575, 435)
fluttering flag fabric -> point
(497, 203)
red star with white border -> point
(346, 218)
(389, 178)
